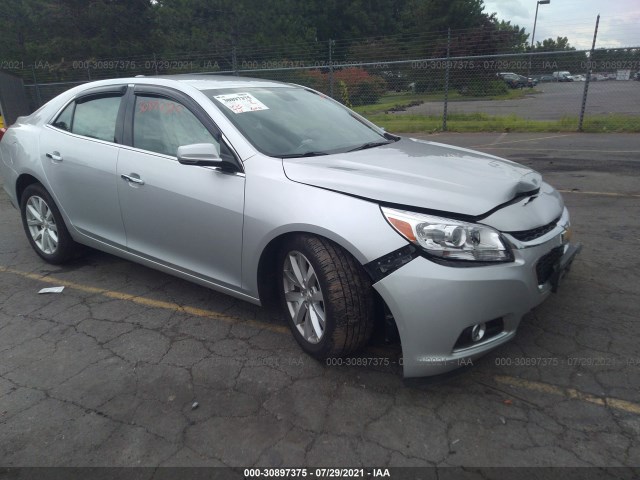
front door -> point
(183, 216)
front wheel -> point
(325, 296)
(44, 225)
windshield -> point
(293, 121)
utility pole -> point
(331, 44)
(586, 83)
(446, 82)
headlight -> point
(449, 239)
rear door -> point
(186, 217)
(79, 152)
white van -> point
(562, 76)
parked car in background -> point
(545, 78)
(578, 78)
(396, 81)
(281, 196)
(563, 76)
(514, 80)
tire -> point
(347, 302)
(49, 238)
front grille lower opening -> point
(547, 264)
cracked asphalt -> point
(107, 372)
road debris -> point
(52, 290)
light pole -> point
(533, 35)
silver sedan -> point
(278, 195)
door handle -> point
(133, 178)
(55, 156)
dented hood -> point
(418, 173)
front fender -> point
(275, 205)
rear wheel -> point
(44, 225)
(326, 297)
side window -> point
(63, 121)
(96, 117)
(161, 125)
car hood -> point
(421, 174)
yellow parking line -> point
(147, 302)
(572, 393)
(540, 387)
(605, 194)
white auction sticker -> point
(241, 102)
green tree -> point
(75, 29)
(20, 22)
(551, 45)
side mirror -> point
(205, 155)
(199, 154)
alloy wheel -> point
(42, 225)
(303, 296)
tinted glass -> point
(288, 120)
(96, 118)
(161, 125)
(64, 119)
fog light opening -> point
(478, 331)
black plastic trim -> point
(389, 263)
(534, 233)
(108, 91)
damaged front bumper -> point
(436, 307)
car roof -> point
(214, 82)
(181, 82)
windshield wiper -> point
(302, 155)
(370, 145)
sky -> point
(575, 19)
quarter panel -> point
(20, 147)
(7, 173)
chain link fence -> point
(406, 87)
